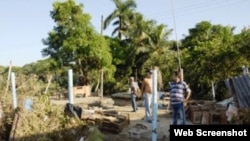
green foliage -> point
(95, 135)
(210, 55)
(45, 121)
(144, 44)
(73, 39)
(123, 10)
(242, 42)
(159, 50)
(122, 57)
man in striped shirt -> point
(179, 93)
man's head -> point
(176, 76)
(149, 72)
(132, 78)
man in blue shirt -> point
(179, 93)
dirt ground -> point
(136, 118)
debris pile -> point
(206, 112)
(107, 120)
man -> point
(146, 90)
(134, 88)
(179, 93)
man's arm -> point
(142, 88)
(188, 91)
(188, 94)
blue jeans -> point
(133, 102)
(178, 109)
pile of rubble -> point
(102, 115)
(206, 112)
(107, 120)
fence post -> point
(155, 106)
(13, 85)
(70, 86)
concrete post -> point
(70, 86)
(13, 84)
(155, 107)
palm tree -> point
(122, 11)
(151, 42)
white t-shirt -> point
(133, 85)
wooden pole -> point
(182, 74)
(49, 82)
(13, 135)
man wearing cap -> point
(133, 91)
(146, 90)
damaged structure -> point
(210, 112)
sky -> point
(26, 22)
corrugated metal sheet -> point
(239, 87)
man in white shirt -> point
(133, 93)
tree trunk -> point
(120, 27)
(98, 82)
